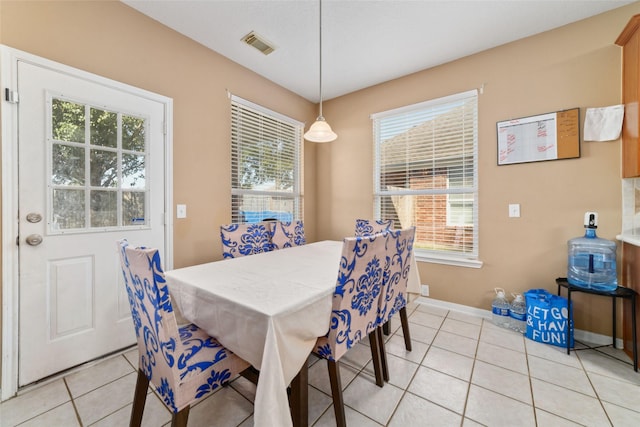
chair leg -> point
(252, 374)
(336, 392)
(139, 399)
(374, 343)
(180, 419)
(383, 356)
(299, 398)
(404, 319)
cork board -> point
(550, 136)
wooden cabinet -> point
(630, 279)
(629, 39)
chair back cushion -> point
(178, 362)
(153, 316)
(366, 227)
(399, 249)
(245, 239)
(356, 298)
(286, 234)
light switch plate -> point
(181, 211)
(514, 210)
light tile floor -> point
(463, 371)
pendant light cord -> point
(320, 131)
(320, 38)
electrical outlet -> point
(514, 210)
(424, 290)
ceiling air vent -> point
(252, 39)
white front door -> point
(91, 162)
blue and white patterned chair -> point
(366, 227)
(287, 234)
(245, 239)
(354, 310)
(183, 364)
(393, 299)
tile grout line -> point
(586, 372)
(462, 415)
(533, 398)
(73, 399)
(470, 382)
(405, 390)
(73, 402)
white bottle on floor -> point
(518, 314)
(500, 309)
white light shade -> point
(320, 131)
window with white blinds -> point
(425, 172)
(266, 164)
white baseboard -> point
(453, 306)
(580, 335)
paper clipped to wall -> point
(603, 124)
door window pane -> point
(104, 128)
(68, 209)
(104, 168)
(67, 120)
(68, 165)
(133, 170)
(104, 208)
(133, 133)
(133, 208)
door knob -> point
(34, 239)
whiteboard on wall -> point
(549, 136)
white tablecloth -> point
(269, 309)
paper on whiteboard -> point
(603, 124)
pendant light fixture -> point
(320, 131)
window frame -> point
(458, 258)
(296, 195)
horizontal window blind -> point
(266, 164)
(425, 172)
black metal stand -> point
(619, 292)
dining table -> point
(269, 309)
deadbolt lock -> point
(34, 217)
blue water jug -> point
(592, 260)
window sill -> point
(458, 262)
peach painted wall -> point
(575, 66)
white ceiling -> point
(364, 42)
